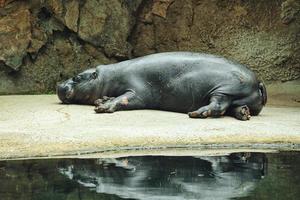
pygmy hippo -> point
(201, 85)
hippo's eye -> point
(76, 78)
(94, 75)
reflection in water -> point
(170, 177)
(237, 176)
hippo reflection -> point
(201, 85)
(240, 176)
(171, 177)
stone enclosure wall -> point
(46, 41)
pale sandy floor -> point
(38, 126)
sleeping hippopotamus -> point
(201, 85)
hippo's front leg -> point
(216, 108)
(128, 101)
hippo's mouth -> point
(70, 94)
(65, 93)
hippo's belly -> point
(185, 93)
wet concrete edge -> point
(176, 150)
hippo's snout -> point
(65, 92)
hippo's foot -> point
(104, 100)
(105, 107)
(216, 108)
(127, 101)
(241, 113)
(199, 114)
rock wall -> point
(46, 41)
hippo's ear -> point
(98, 70)
(263, 91)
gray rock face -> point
(15, 37)
(265, 35)
(72, 15)
(106, 24)
(290, 10)
(43, 42)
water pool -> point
(234, 176)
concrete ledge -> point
(284, 94)
(39, 126)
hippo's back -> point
(172, 63)
(165, 68)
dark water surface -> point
(236, 176)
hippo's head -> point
(81, 89)
(259, 99)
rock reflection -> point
(236, 176)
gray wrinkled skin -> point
(201, 85)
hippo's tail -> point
(263, 91)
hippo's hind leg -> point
(240, 112)
(127, 101)
(216, 108)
